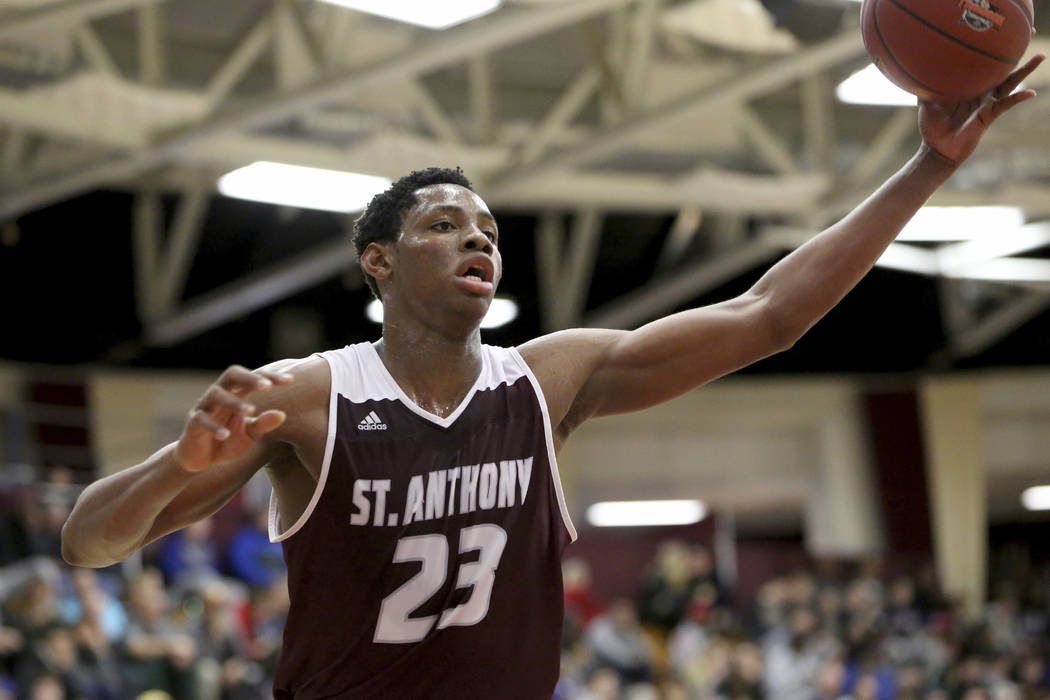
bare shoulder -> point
(304, 400)
(563, 362)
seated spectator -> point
(188, 558)
(744, 679)
(581, 603)
(268, 611)
(620, 644)
(794, 656)
(157, 655)
(33, 611)
(253, 558)
(88, 593)
(54, 655)
(667, 590)
(225, 670)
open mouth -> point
(478, 270)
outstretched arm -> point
(596, 372)
(232, 432)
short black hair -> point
(382, 218)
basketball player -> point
(415, 487)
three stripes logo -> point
(371, 422)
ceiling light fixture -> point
(501, 312)
(432, 14)
(299, 186)
(645, 513)
(870, 87)
(961, 223)
(1036, 498)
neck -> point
(436, 371)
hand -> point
(223, 425)
(953, 129)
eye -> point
(491, 236)
(443, 225)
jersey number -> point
(396, 627)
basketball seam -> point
(946, 35)
(875, 23)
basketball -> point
(946, 50)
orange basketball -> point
(946, 50)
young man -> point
(415, 487)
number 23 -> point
(396, 627)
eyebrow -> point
(456, 209)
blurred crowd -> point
(823, 632)
(199, 616)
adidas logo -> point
(371, 422)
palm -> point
(954, 129)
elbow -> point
(783, 325)
(76, 552)
(72, 551)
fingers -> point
(217, 399)
(1017, 77)
(257, 427)
(1000, 106)
(223, 409)
(240, 380)
(200, 421)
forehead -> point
(436, 197)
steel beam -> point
(661, 295)
(578, 268)
(550, 240)
(997, 325)
(236, 299)
(482, 103)
(68, 13)
(773, 75)
(95, 52)
(440, 51)
(152, 54)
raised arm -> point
(596, 372)
(237, 427)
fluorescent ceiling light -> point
(298, 186)
(870, 87)
(1005, 270)
(1036, 498)
(961, 223)
(501, 312)
(642, 513)
(432, 14)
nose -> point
(476, 240)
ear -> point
(377, 259)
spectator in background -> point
(157, 655)
(253, 558)
(225, 671)
(744, 679)
(581, 603)
(54, 654)
(34, 609)
(795, 653)
(88, 597)
(268, 611)
(668, 589)
(620, 644)
(188, 558)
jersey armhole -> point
(275, 533)
(548, 433)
